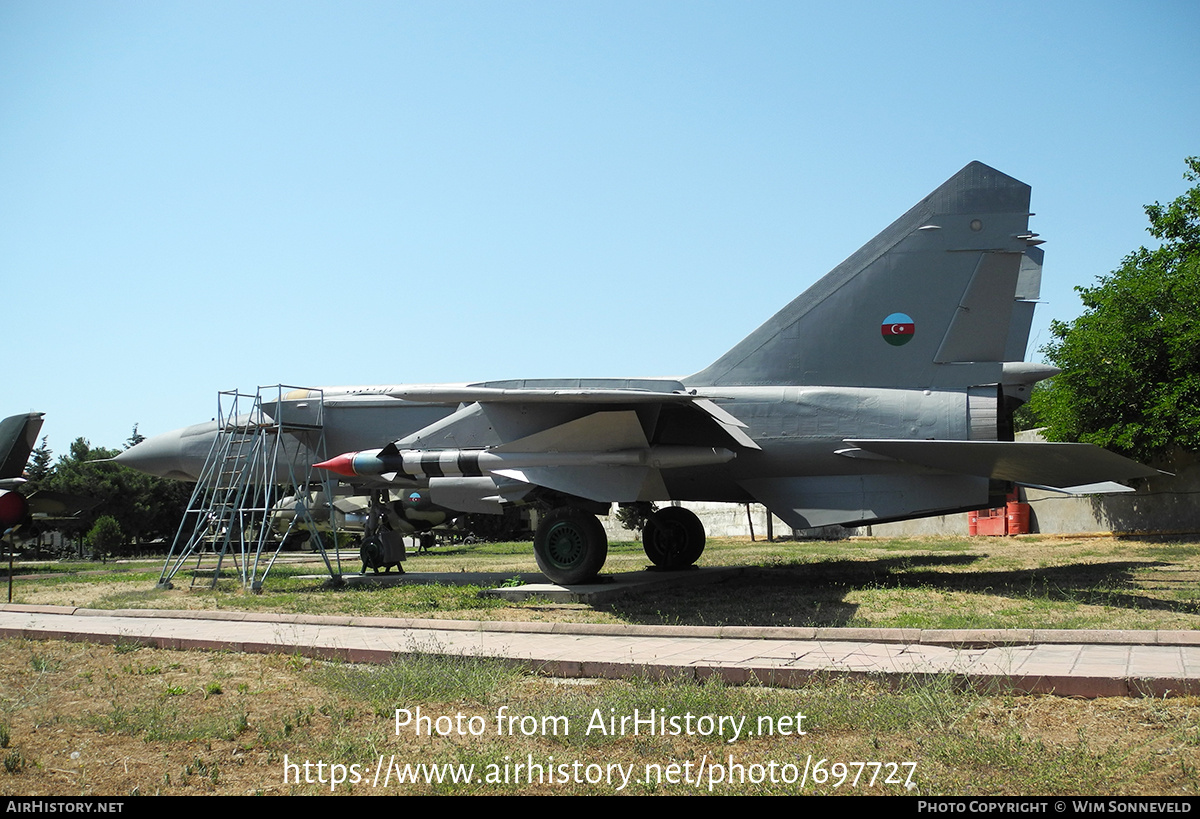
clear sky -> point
(197, 196)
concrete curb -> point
(957, 638)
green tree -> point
(633, 516)
(105, 537)
(143, 506)
(1130, 363)
(41, 463)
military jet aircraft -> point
(883, 392)
(18, 434)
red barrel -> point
(1018, 517)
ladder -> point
(262, 443)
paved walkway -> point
(1071, 663)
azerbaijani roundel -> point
(898, 329)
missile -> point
(391, 462)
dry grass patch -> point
(1026, 582)
(78, 719)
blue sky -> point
(197, 196)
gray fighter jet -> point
(883, 392)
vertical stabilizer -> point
(929, 302)
(18, 435)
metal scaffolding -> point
(264, 444)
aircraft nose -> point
(178, 455)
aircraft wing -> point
(496, 395)
(600, 441)
(1058, 465)
(500, 412)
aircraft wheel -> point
(570, 546)
(673, 538)
(371, 553)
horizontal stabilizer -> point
(1048, 464)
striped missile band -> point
(411, 464)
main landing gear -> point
(673, 538)
(570, 545)
(382, 545)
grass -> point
(421, 677)
(951, 582)
(132, 719)
(94, 726)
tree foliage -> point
(634, 516)
(1130, 363)
(105, 537)
(41, 463)
(143, 507)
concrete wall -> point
(720, 520)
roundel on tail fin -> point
(898, 329)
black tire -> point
(570, 546)
(673, 538)
(371, 553)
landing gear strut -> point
(570, 545)
(382, 546)
(673, 538)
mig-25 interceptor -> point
(883, 392)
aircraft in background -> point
(416, 517)
(883, 392)
(18, 434)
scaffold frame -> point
(264, 443)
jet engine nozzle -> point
(13, 509)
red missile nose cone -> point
(341, 464)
